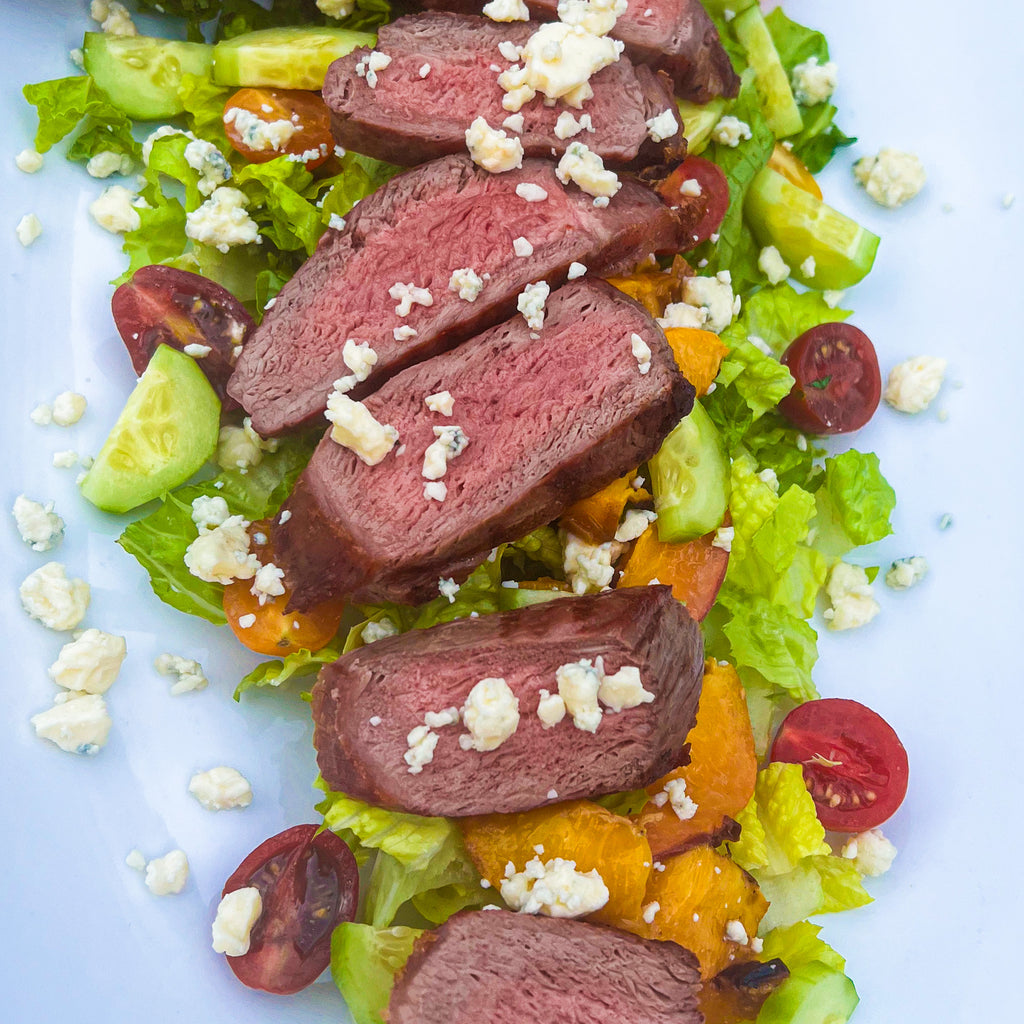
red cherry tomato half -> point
(837, 380)
(306, 111)
(309, 883)
(853, 762)
(166, 306)
(714, 194)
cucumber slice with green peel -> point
(812, 994)
(141, 74)
(287, 58)
(690, 479)
(165, 433)
(801, 225)
(699, 122)
(773, 88)
(719, 7)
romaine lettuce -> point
(364, 962)
(159, 540)
(854, 503)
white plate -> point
(83, 939)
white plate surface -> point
(82, 939)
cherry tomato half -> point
(714, 194)
(272, 629)
(309, 883)
(166, 306)
(791, 167)
(837, 380)
(854, 764)
(305, 111)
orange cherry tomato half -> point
(269, 629)
(792, 168)
(252, 121)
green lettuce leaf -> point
(158, 540)
(820, 137)
(771, 641)
(159, 238)
(781, 314)
(736, 249)
(204, 110)
(364, 962)
(359, 176)
(787, 830)
(64, 103)
(415, 856)
(285, 217)
(293, 666)
(798, 944)
(854, 503)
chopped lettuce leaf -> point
(789, 830)
(64, 103)
(359, 176)
(736, 249)
(820, 137)
(204, 109)
(277, 204)
(781, 314)
(277, 672)
(782, 844)
(364, 962)
(771, 641)
(748, 385)
(798, 944)
(854, 502)
(159, 539)
(448, 871)
(159, 238)
(416, 855)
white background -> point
(82, 938)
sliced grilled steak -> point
(675, 36)
(410, 116)
(551, 416)
(419, 228)
(399, 679)
(497, 967)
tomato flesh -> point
(714, 194)
(166, 306)
(853, 762)
(837, 383)
(305, 111)
(274, 630)
(308, 884)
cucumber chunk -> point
(141, 74)
(801, 225)
(690, 479)
(772, 82)
(812, 994)
(289, 58)
(165, 433)
(699, 122)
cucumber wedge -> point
(800, 225)
(165, 433)
(141, 74)
(772, 82)
(812, 994)
(699, 122)
(690, 479)
(288, 58)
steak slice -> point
(497, 967)
(419, 228)
(408, 118)
(675, 36)
(551, 417)
(399, 679)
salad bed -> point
(793, 513)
